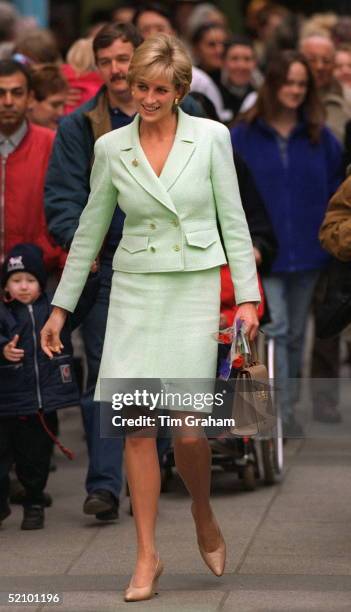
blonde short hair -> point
(162, 56)
(80, 56)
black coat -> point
(260, 227)
(36, 382)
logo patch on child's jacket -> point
(66, 374)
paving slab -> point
(115, 546)
(286, 601)
(14, 608)
(288, 545)
(195, 601)
(297, 564)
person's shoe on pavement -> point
(33, 517)
(110, 515)
(103, 504)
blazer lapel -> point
(135, 161)
(181, 152)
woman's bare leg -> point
(192, 455)
(143, 474)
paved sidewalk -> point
(289, 546)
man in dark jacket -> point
(67, 191)
(32, 387)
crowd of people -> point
(284, 91)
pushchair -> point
(259, 457)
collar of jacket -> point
(137, 164)
(299, 127)
(334, 99)
(99, 116)
(334, 89)
(17, 305)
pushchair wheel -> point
(268, 462)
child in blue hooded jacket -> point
(32, 387)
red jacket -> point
(228, 306)
(22, 176)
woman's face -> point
(210, 50)
(154, 99)
(239, 63)
(342, 70)
(292, 94)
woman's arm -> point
(235, 232)
(93, 226)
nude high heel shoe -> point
(133, 593)
(215, 560)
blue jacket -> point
(36, 382)
(295, 188)
(67, 180)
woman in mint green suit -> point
(173, 176)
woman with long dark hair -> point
(296, 162)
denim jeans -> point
(105, 454)
(289, 296)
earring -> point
(176, 101)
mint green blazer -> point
(171, 221)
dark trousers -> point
(325, 365)
(105, 454)
(25, 443)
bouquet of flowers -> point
(238, 350)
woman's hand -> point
(247, 312)
(50, 334)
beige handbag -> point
(252, 409)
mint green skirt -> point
(162, 325)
